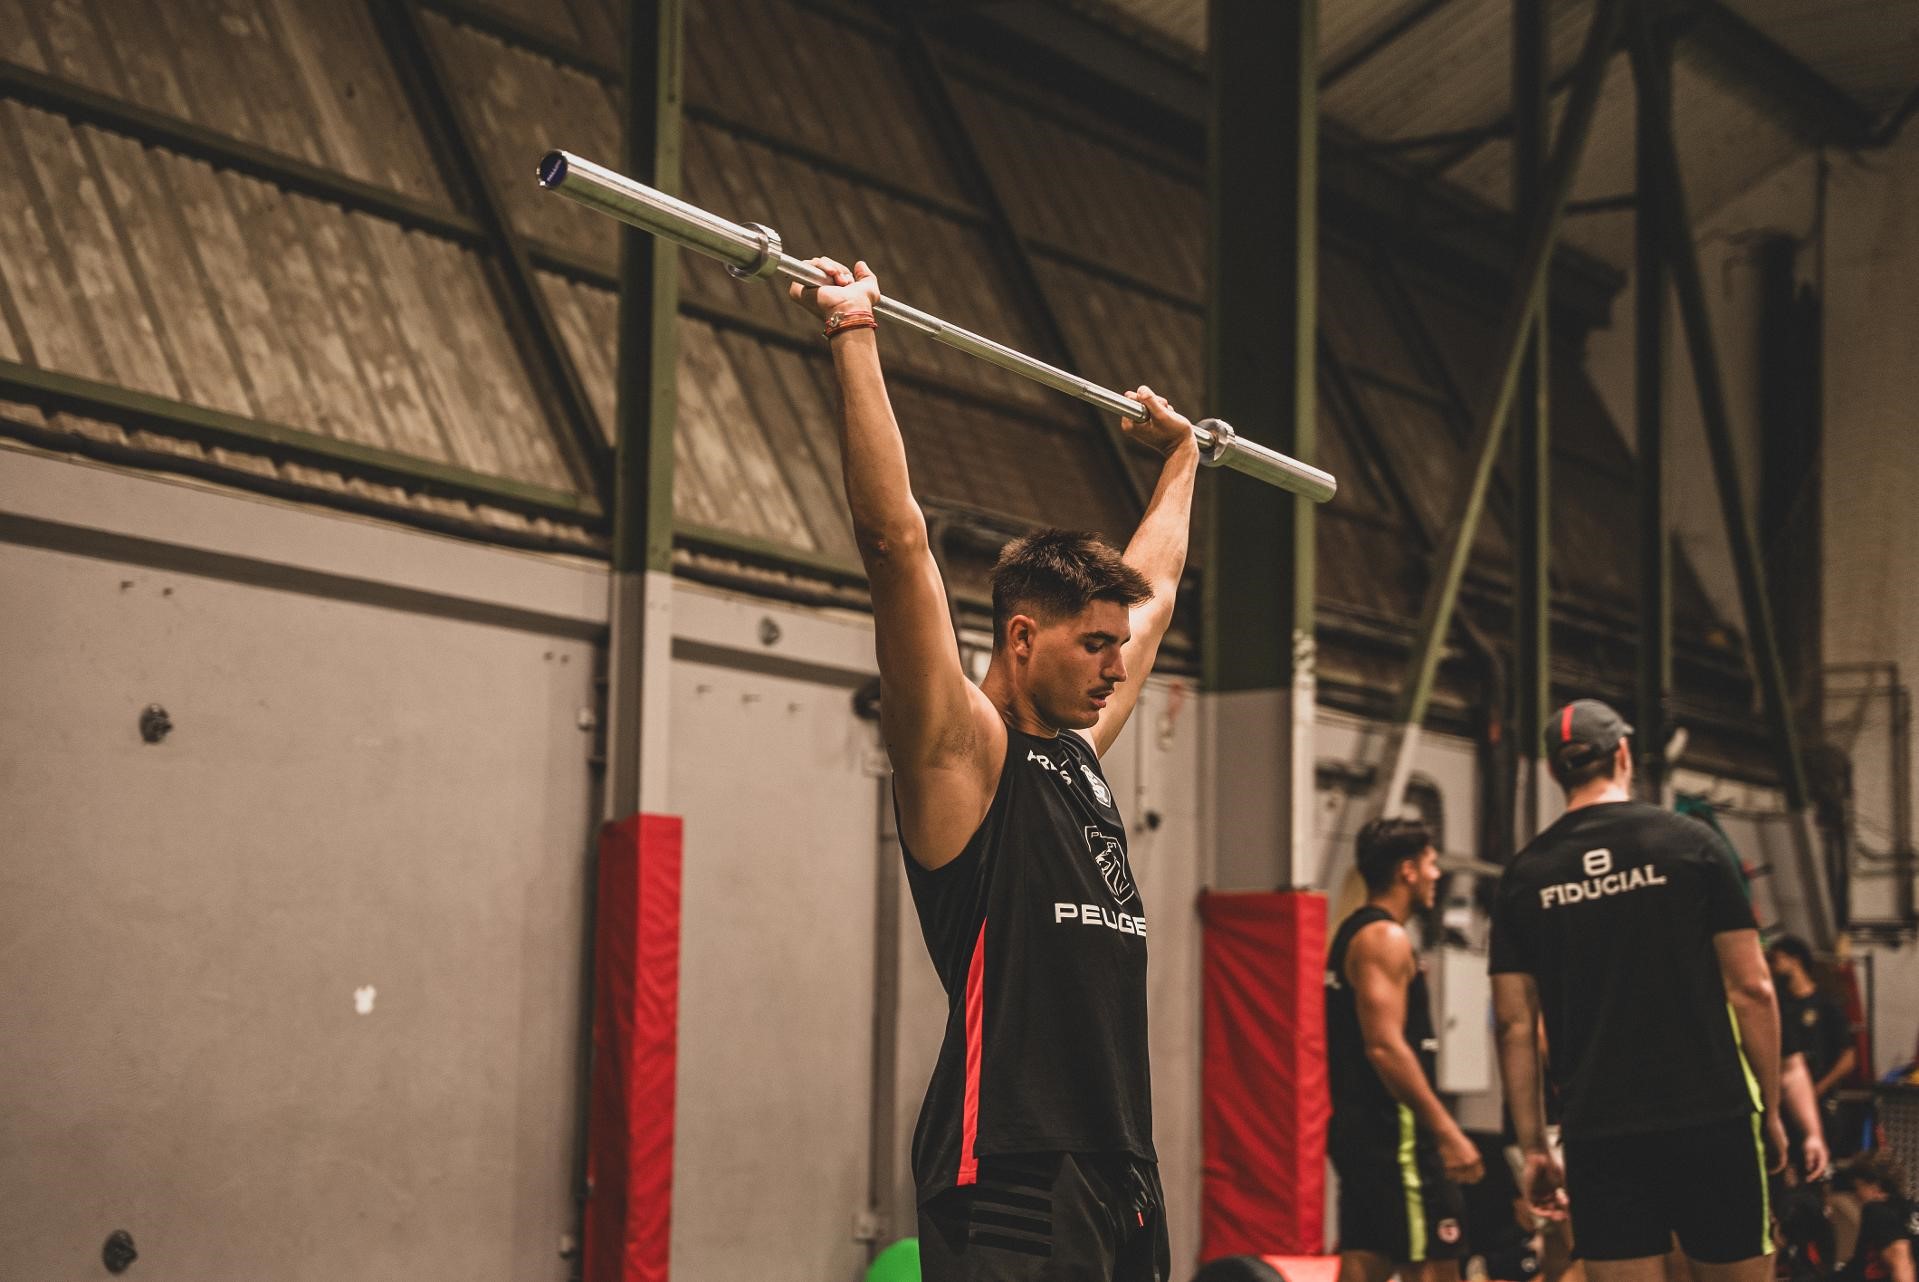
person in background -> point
(1887, 1222)
(1628, 928)
(1399, 1153)
(1823, 1031)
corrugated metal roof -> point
(150, 271)
(311, 82)
(139, 267)
(1452, 71)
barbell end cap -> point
(552, 170)
(1224, 438)
(768, 263)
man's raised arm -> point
(1157, 550)
(935, 721)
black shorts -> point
(1630, 1194)
(1394, 1197)
(1038, 1216)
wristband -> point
(840, 322)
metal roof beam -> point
(1529, 289)
(1821, 110)
(936, 95)
(426, 78)
(56, 393)
(157, 129)
(1380, 41)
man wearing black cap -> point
(1627, 927)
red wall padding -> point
(636, 984)
(1265, 1105)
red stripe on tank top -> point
(975, 1018)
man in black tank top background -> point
(1397, 1150)
(1628, 927)
(1033, 1155)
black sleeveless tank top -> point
(1039, 937)
(1362, 1106)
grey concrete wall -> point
(295, 992)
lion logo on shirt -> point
(1110, 858)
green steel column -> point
(1532, 515)
(1652, 72)
(1761, 636)
(643, 449)
(1258, 652)
(1529, 288)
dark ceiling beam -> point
(1161, 97)
(428, 80)
(1379, 42)
(1467, 141)
(1711, 32)
(967, 155)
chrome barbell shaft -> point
(755, 252)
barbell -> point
(752, 251)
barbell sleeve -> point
(754, 252)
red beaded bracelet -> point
(840, 322)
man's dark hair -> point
(1385, 844)
(1573, 766)
(1875, 1168)
(1054, 574)
(1795, 948)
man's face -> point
(1075, 664)
(1783, 966)
(1426, 877)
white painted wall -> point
(1871, 496)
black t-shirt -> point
(1792, 1038)
(1613, 910)
(1819, 1027)
(1363, 1108)
(1881, 1224)
(1039, 937)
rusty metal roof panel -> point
(311, 82)
(1122, 338)
(586, 24)
(816, 80)
(147, 270)
(517, 107)
(1075, 192)
(932, 261)
(1369, 566)
(1453, 71)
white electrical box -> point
(1462, 997)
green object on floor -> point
(899, 1262)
